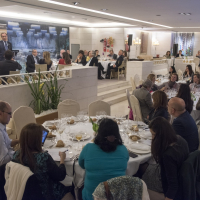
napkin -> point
(55, 154)
(139, 146)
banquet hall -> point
(99, 100)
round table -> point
(105, 64)
(79, 173)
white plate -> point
(138, 150)
(86, 137)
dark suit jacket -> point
(185, 126)
(177, 55)
(9, 65)
(114, 56)
(119, 61)
(160, 112)
(30, 64)
(2, 49)
(94, 62)
(83, 61)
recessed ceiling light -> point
(188, 13)
(100, 12)
(75, 3)
(158, 15)
(184, 13)
(104, 9)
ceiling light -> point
(104, 9)
(100, 12)
(184, 13)
(75, 3)
(188, 13)
(158, 15)
(51, 20)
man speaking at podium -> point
(4, 45)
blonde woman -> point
(46, 60)
(152, 78)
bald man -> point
(184, 124)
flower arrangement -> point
(46, 94)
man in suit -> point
(31, 61)
(144, 97)
(116, 65)
(9, 64)
(112, 55)
(179, 54)
(94, 62)
(183, 124)
(4, 45)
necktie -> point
(6, 46)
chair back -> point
(21, 117)
(135, 105)
(60, 67)
(128, 97)
(180, 73)
(132, 84)
(41, 67)
(14, 72)
(137, 80)
(68, 106)
(97, 106)
(197, 62)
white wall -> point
(196, 43)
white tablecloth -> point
(105, 64)
(133, 163)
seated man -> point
(6, 144)
(60, 56)
(183, 124)
(31, 61)
(179, 54)
(116, 65)
(94, 62)
(112, 55)
(9, 64)
(81, 59)
(144, 97)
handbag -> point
(107, 189)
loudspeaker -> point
(175, 49)
(130, 40)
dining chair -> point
(180, 73)
(135, 105)
(68, 106)
(16, 78)
(21, 117)
(196, 61)
(97, 106)
(132, 84)
(60, 67)
(128, 97)
(137, 80)
(41, 67)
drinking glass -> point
(79, 137)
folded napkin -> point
(55, 154)
(139, 146)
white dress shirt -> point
(36, 62)
(6, 151)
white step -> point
(116, 99)
(113, 92)
(111, 86)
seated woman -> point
(195, 86)
(152, 78)
(184, 93)
(160, 102)
(81, 59)
(88, 57)
(198, 54)
(168, 55)
(169, 151)
(104, 159)
(188, 73)
(172, 70)
(65, 60)
(171, 84)
(46, 60)
(48, 173)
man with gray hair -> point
(144, 97)
(31, 61)
(6, 144)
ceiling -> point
(127, 13)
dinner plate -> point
(138, 150)
(85, 137)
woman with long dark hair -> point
(169, 151)
(81, 59)
(65, 60)
(184, 93)
(172, 70)
(188, 73)
(41, 163)
(106, 158)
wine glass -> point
(79, 137)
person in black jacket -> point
(4, 45)
(61, 52)
(112, 55)
(31, 61)
(183, 124)
(159, 106)
(81, 59)
(9, 64)
(179, 54)
(169, 151)
(116, 65)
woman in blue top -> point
(104, 159)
